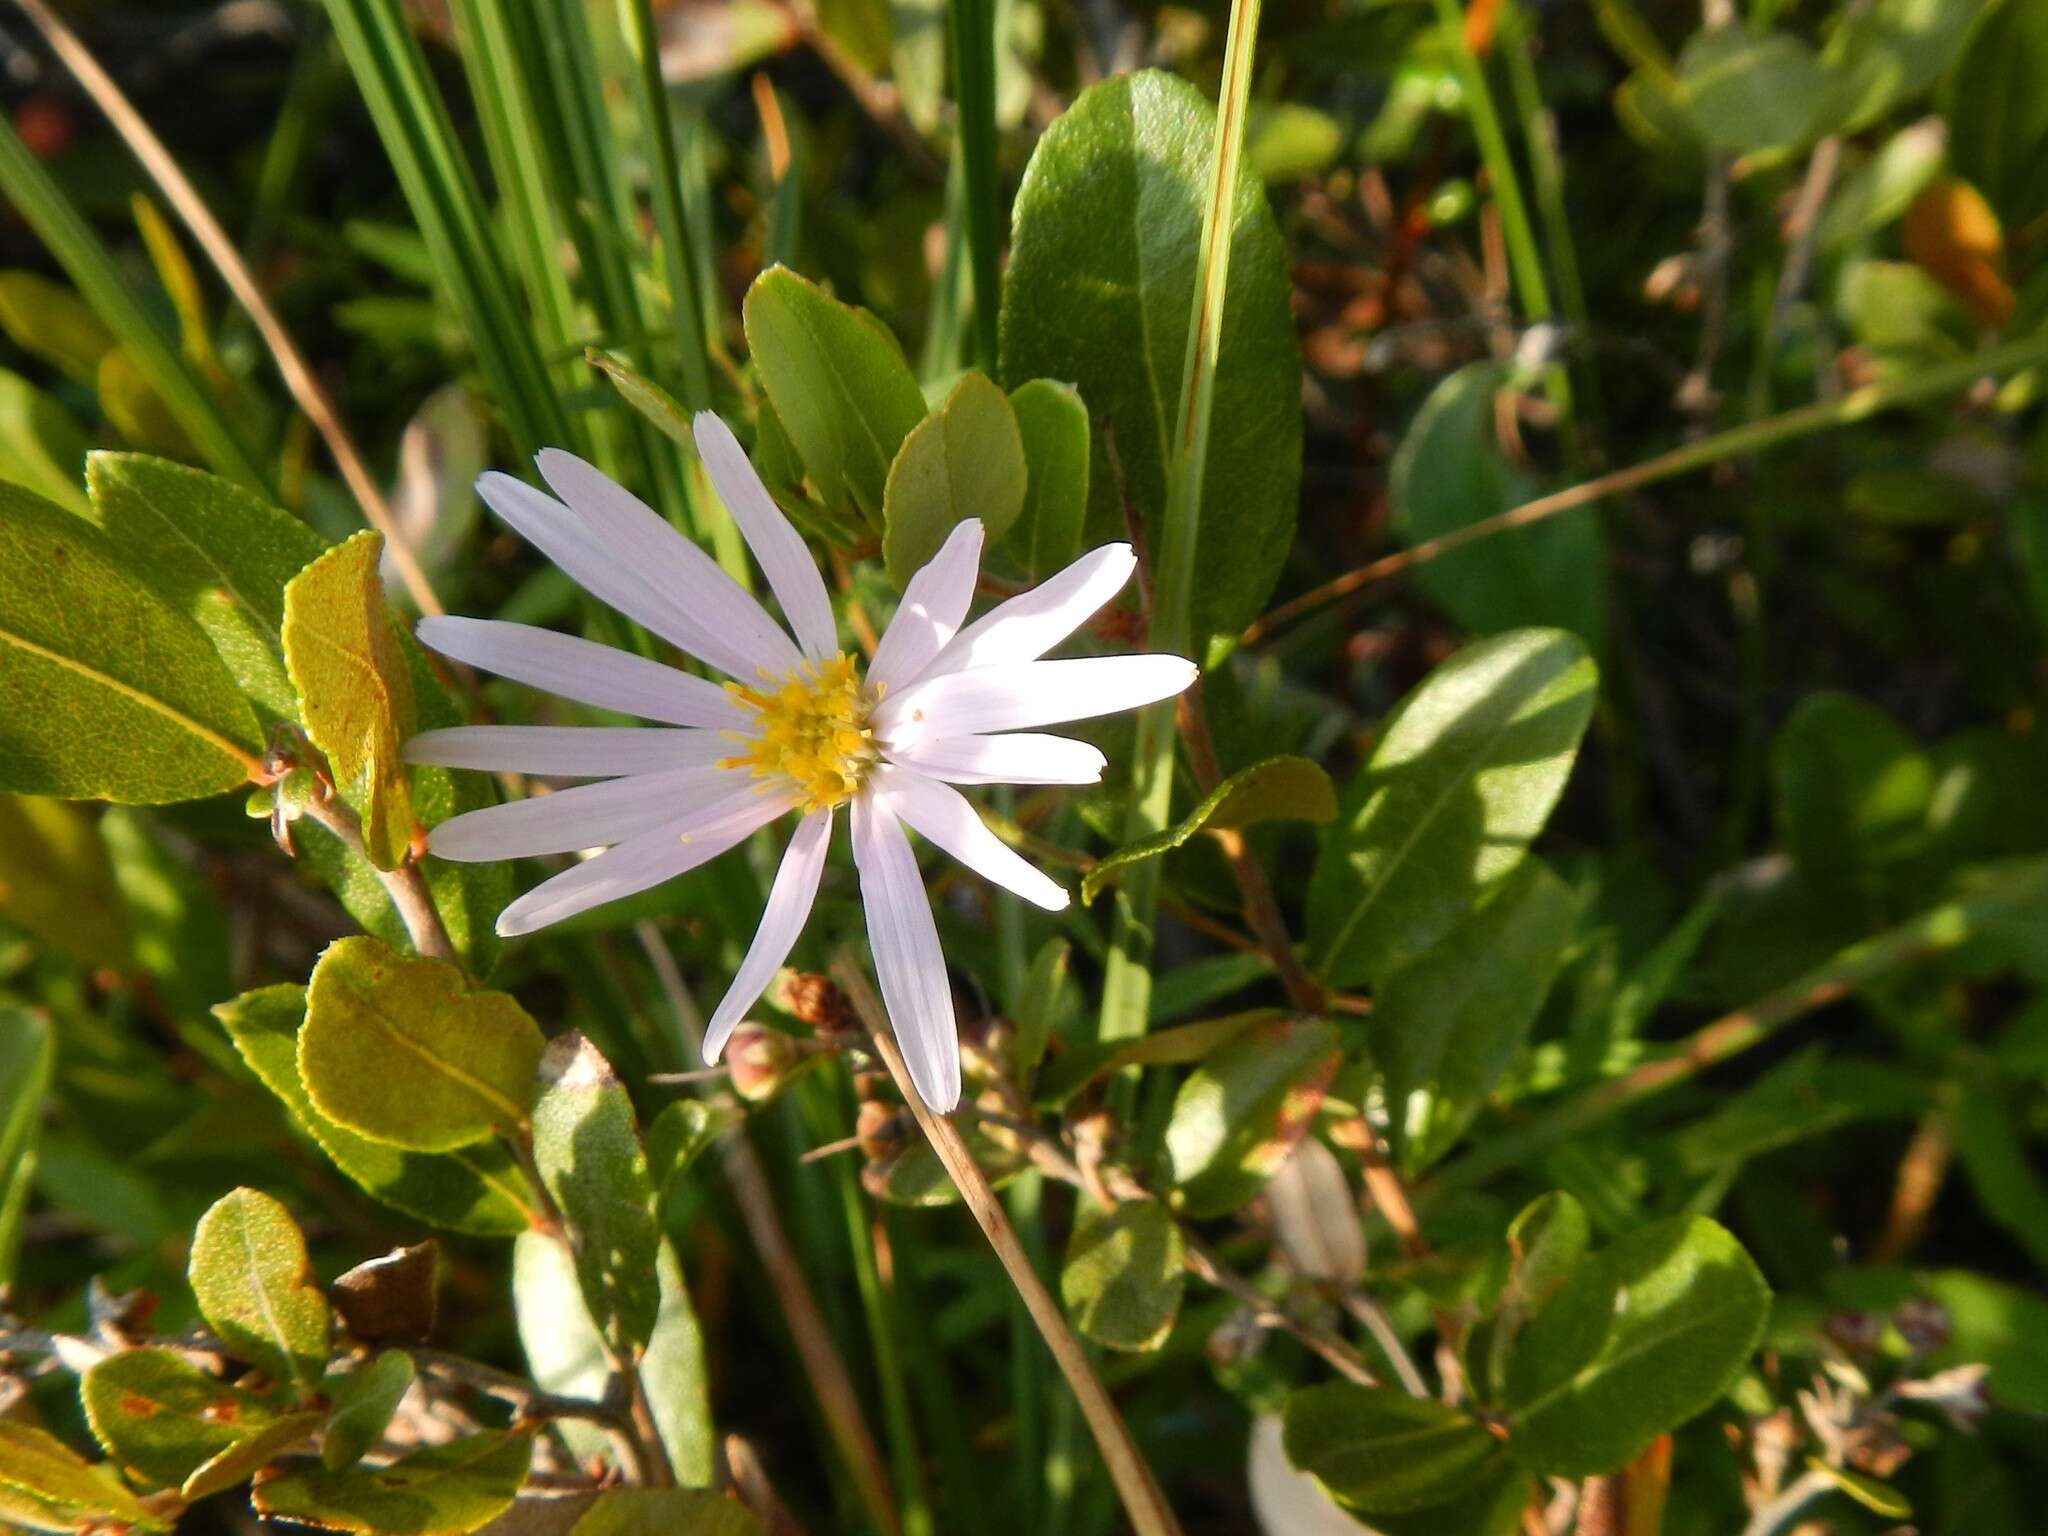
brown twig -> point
(1143, 1501)
(292, 366)
(405, 885)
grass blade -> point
(974, 86)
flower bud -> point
(817, 1001)
(760, 1060)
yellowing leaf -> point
(254, 1283)
(406, 1052)
(1952, 235)
(355, 695)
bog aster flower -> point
(798, 728)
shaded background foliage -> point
(1819, 673)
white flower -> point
(798, 729)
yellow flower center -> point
(813, 731)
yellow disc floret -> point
(813, 731)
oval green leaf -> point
(1381, 1451)
(254, 1282)
(1124, 1274)
(964, 460)
(1239, 1114)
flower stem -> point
(1143, 1501)
(405, 885)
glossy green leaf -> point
(410, 1052)
(50, 321)
(363, 1402)
(1996, 103)
(1642, 1337)
(840, 385)
(28, 1057)
(162, 1418)
(587, 1149)
(355, 689)
(665, 1512)
(254, 1282)
(474, 1189)
(106, 691)
(1240, 1113)
(219, 552)
(1747, 88)
(1052, 420)
(1278, 789)
(1449, 472)
(1444, 1027)
(1546, 1242)
(1852, 791)
(1079, 1065)
(1490, 1505)
(1381, 1451)
(41, 445)
(1099, 292)
(441, 1489)
(966, 459)
(52, 1481)
(1463, 777)
(1124, 1273)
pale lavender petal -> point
(641, 862)
(792, 573)
(583, 670)
(908, 961)
(662, 579)
(782, 920)
(569, 751)
(941, 814)
(1035, 693)
(1028, 625)
(1022, 758)
(588, 816)
(934, 603)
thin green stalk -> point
(2017, 891)
(388, 68)
(949, 289)
(693, 365)
(63, 230)
(974, 88)
(1127, 981)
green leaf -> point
(566, 1354)
(245, 1458)
(56, 882)
(587, 1150)
(1099, 292)
(2001, 1172)
(472, 1189)
(681, 1133)
(1852, 791)
(409, 1052)
(1278, 789)
(447, 1488)
(964, 460)
(363, 1402)
(163, 1418)
(1449, 473)
(41, 446)
(1444, 1027)
(1124, 1273)
(58, 1484)
(1052, 421)
(133, 407)
(355, 690)
(1546, 1242)
(1381, 1451)
(254, 1283)
(1079, 1065)
(1996, 104)
(840, 385)
(665, 1512)
(645, 396)
(218, 552)
(51, 322)
(28, 1058)
(1286, 141)
(1642, 1337)
(1746, 89)
(1887, 53)
(1239, 1114)
(106, 691)
(1463, 778)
